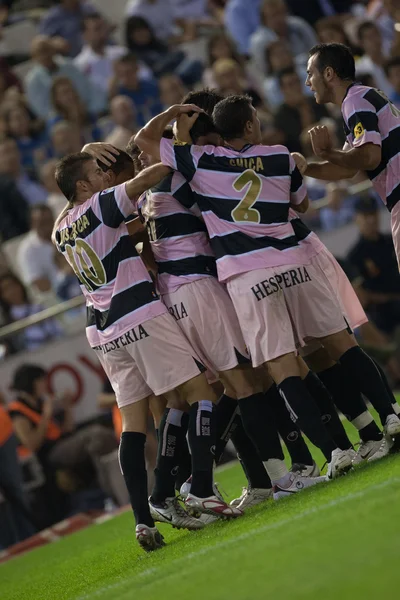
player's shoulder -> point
(362, 97)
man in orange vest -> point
(15, 517)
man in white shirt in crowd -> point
(374, 59)
(123, 117)
(36, 253)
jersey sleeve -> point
(115, 206)
(180, 157)
(361, 122)
(298, 190)
(182, 191)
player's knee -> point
(197, 389)
(319, 360)
(339, 343)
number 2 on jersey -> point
(91, 274)
(244, 211)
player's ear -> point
(329, 73)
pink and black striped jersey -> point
(369, 117)
(178, 238)
(244, 199)
(119, 292)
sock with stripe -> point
(363, 370)
(306, 414)
(348, 399)
(171, 435)
(133, 467)
(329, 414)
(287, 429)
(202, 439)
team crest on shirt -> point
(359, 130)
(179, 143)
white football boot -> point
(171, 512)
(149, 538)
(212, 505)
(385, 446)
(251, 497)
(366, 451)
(292, 483)
(306, 470)
(341, 463)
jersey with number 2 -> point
(244, 199)
(119, 292)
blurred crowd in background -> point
(72, 72)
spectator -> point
(227, 74)
(36, 253)
(15, 304)
(392, 70)
(280, 58)
(297, 112)
(373, 61)
(242, 19)
(163, 18)
(277, 24)
(97, 56)
(55, 199)
(172, 90)
(32, 141)
(17, 524)
(8, 80)
(10, 165)
(385, 14)
(68, 106)
(14, 211)
(48, 66)
(374, 258)
(155, 54)
(220, 46)
(67, 282)
(313, 10)
(331, 31)
(123, 117)
(52, 434)
(65, 139)
(65, 20)
(144, 94)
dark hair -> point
(168, 133)
(122, 162)
(231, 115)
(363, 28)
(269, 49)
(127, 59)
(69, 171)
(90, 17)
(216, 37)
(393, 62)
(40, 208)
(5, 307)
(25, 377)
(288, 71)
(133, 24)
(207, 100)
(337, 56)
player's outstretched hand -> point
(105, 153)
(301, 162)
(320, 140)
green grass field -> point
(339, 540)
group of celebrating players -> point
(234, 322)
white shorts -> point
(345, 294)
(281, 308)
(205, 314)
(154, 357)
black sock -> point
(305, 412)
(250, 460)
(185, 463)
(227, 417)
(202, 439)
(368, 378)
(329, 415)
(287, 429)
(389, 390)
(171, 434)
(133, 467)
(259, 424)
(348, 399)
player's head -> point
(236, 118)
(79, 177)
(146, 160)
(329, 66)
(203, 131)
(120, 171)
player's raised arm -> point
(146, 179)
(149, 137)
(363, 157)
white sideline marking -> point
(241, 537)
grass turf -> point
(337, 540)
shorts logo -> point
(359, 130)
(130, 337)
(280, 281)
(178, 311)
